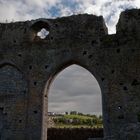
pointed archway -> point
(78, 89)
(85, 86)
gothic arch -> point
(13, 98)
(54, 73)
(61, 67)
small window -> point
(43, 33)
(39, 30)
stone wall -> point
(28, 65)
(75, 133)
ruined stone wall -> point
(75, 133)
(28, 65)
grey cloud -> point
(65, 96)
(82, 104)
(81, 79)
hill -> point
(76, 121)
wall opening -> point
(43, 33)
(75, 93)
(40, 30)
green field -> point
(77, 121)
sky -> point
(75, 89)
(71, 81)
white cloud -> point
(110, 10)
(65, 11)
(93, 9)
(41, 3)
(25, 10)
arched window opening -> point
(40, 30)
(43, 33)
(74, 100)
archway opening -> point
(74, 100)
(43, 33)
(40, 30)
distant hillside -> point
(75, 121)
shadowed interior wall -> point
(13, 103)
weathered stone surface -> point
(28, 65)
(95, 139)
(13, 106)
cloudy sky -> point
(75, 89)
(79, 89)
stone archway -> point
(47, 87)
(79, 90)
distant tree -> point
(79, 113)
(66, 113)
(73, 113)
(100, 117)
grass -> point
(77, 126)
(83, 117)
(78, 121)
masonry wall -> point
(28, 65)
(74, 134)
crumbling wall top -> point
(129, 22)
(81, 26)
